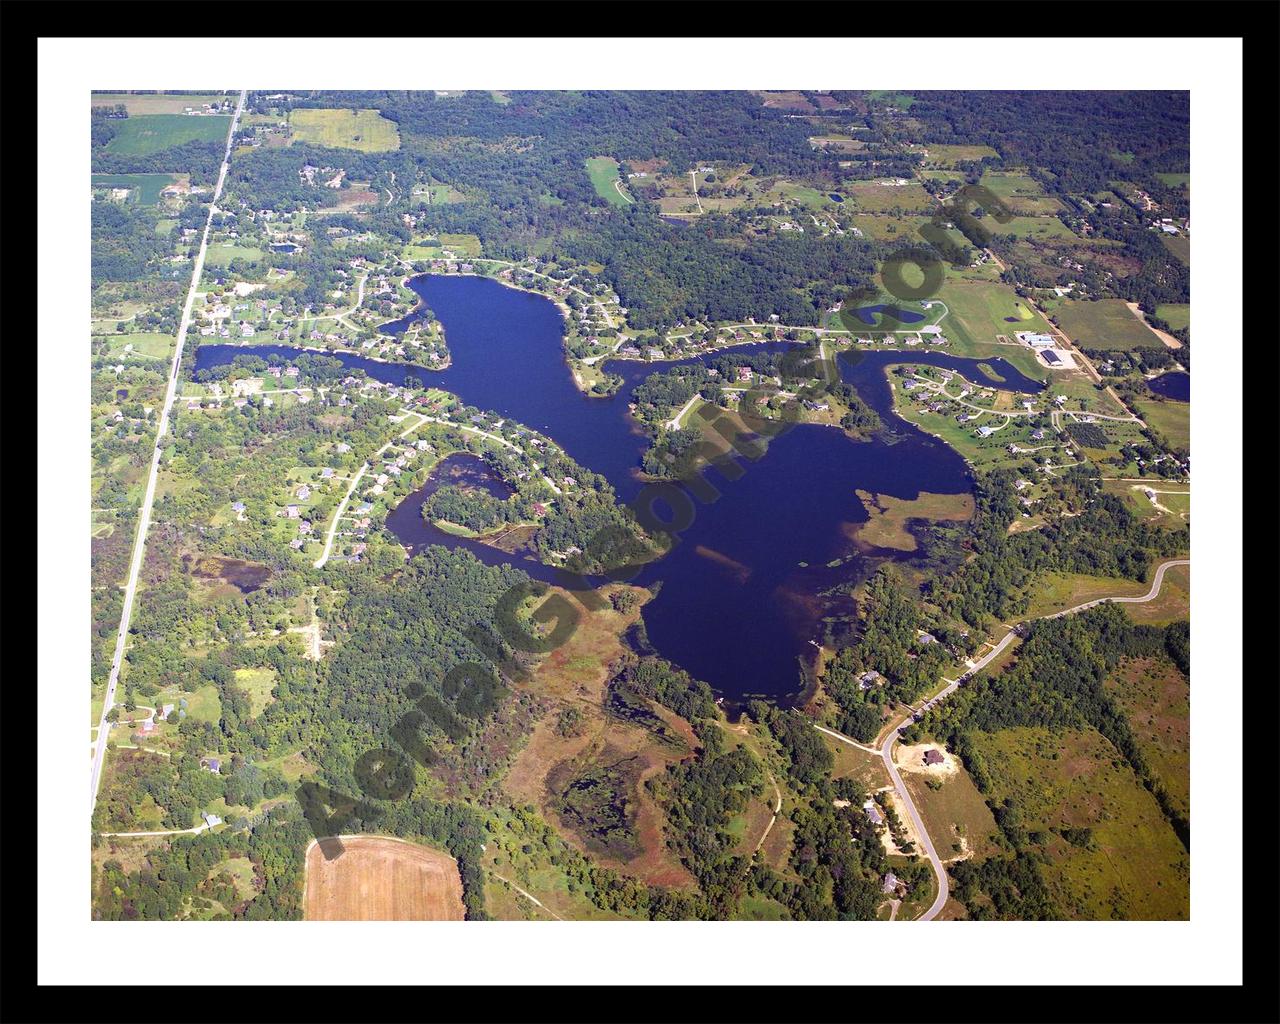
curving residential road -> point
(144, 513)
(894, 734)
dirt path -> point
(617, 187)
(777, 809)
(693, 175)
(529, 896)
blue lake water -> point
(284, 247)
(735, 607)
(867, 314)
(836, 197)
(1175, 385)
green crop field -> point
(1104, 324)
(148, 186)
(365, 130)
(151, 133)
(603, 171)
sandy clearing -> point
(911, 759)
(1169, 340)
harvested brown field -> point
(377, 878)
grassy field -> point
(947, 156)
(258, 684)
(1138, 503)
(151, 133)
(1008, 184)
(379, 879)
(603, 171)
(461, 245)
(976, 311)
(1156, 697)
(887, 527)
(143, 346)
(870, 197)
(148, 186)
(886, 228)
(1039, 228)
(1175, 180)
(1056, 591)
(363, 130)
(864, 767)
(155, 103)
(1172, 419)
(898, 99)
(955, 813)
(204, 705)
(1172, 603)
(221, 254)
(1105, 324)
(1179, 245)
(1133, 867)
(1176, 314)
(242, 873)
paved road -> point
(328, 544)
(144, 515)
(674, 422)
(337, 515)
(1156, 583)
(886, 748)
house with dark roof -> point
(933, 757)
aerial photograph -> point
(649, 505)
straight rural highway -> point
(144, 516)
